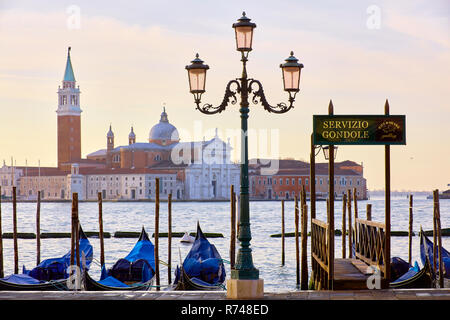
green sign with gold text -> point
(359, 129)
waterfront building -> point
(288, 180)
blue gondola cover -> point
(56, 268)
(203, 262)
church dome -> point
(163, 132)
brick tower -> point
(69, 116)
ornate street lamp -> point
(244, 268)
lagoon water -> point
(213, 217)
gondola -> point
(202, 269)
(426, 250)
(51, 274)
(135, 272)
(416, 277)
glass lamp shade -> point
(326, 152)
(197, 75)
(291, 73)
(244, 33)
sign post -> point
(384, 130)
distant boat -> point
(187, 238)
(443, 195)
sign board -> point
(359, 129)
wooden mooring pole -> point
(157, 234)
(437, 215)
(38, 229)
(100, 228)
(282, 234)
(330, 216)
(369, 212)
(410, 230)
(344, 227)
(169, 239)
(77, 237)
(312, 177)
(304, 235)
(1, 237)
(297, 253)
(434, 234)
(72, 233)
(387, 215)
(355, 211)
(16, 250)
(233, 227)
(349, 209)
(74, 222)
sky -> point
(129, 59)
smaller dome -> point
(132, 135)
(163, 131)
(110, 134)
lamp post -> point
(244, 268)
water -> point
(213, 217)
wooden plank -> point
(371, 223)
(361, 266)
(348, 277)
(320, 223)
(320, 262)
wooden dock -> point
(383, 294)
(350, 274)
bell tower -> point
(69, 119)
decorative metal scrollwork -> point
(260, 97)
(229, 94)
